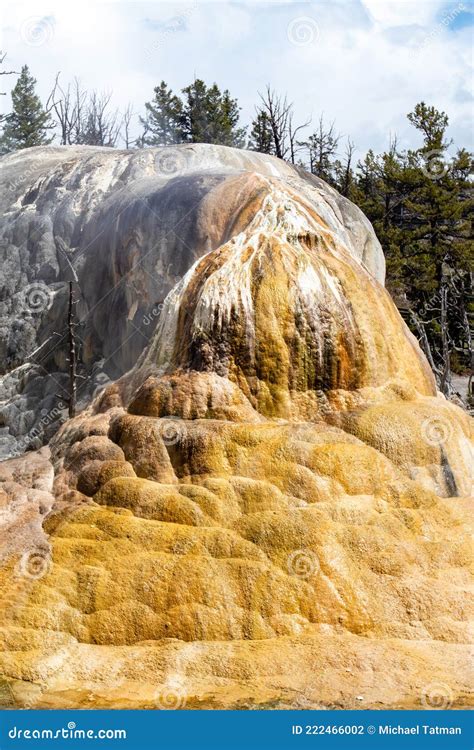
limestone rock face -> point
(131, 223)
(269, 508)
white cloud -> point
(402, 13)
(367, 66)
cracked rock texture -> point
(269, 509)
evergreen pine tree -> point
(205, 115)
(432, 124)
(228, 132)
(440, 248)
(261, 137)
(28, 123)
(210, 116)
(198, 110)
(163, 118)
(420, 203)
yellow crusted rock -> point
(256, 514)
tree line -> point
(419, 200)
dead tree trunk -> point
(445, 377)
(424, 343)
(72, 353)
(71, 326)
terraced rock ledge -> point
(270, 508)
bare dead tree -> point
(440, 310)
(278, 111)
(295, 145)
(5, 72)
(466, 326)
(127, 117)
(419, 325)
(63, 102)
(72, 353)
(87, 118)
(80, 103)
(345, 168)
(71, 398)
(101, 126)
(445, 377)
(68, 105)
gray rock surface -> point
(130, 223)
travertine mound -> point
(131, 223)
(269, 508)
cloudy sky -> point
(363, 63)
